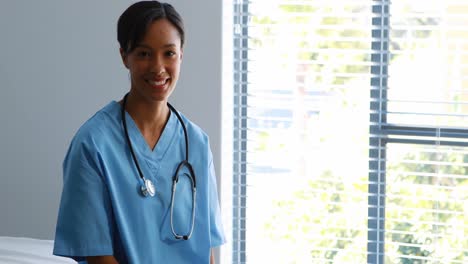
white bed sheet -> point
(21, 250)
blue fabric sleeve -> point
(85, 222)
(217, 237)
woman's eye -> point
(170, 53)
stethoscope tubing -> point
(184, 163)
(194, 197)
(129, 142)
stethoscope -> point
(148, 189)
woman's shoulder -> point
(99, 124)
(195, 131)
(94, 135)
(199, 140)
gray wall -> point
(59, 64)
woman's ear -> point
(181, 53)
(123, 55)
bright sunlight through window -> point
(350, 131)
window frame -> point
(239, 187)
(380, 131)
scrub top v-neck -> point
(101, 210)
(163, 143)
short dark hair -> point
(135, 20)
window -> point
(350, 131)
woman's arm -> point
(102, 260)
(212, 261)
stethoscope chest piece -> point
(148, 188)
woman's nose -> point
(157, 65)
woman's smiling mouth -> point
(158, 84)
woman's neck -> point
(150, 117)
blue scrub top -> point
(102, 211)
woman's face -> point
(154, 64)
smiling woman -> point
(59, 63)
(151, 50)
(154, 63)
(120, 201)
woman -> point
(122, 201)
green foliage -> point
(323, 215)
(412, 246)
(294, 8)
(309, 210)
(427, 224)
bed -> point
(21, 250)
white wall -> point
(59, 64)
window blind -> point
(350, 132)
(419, 130)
